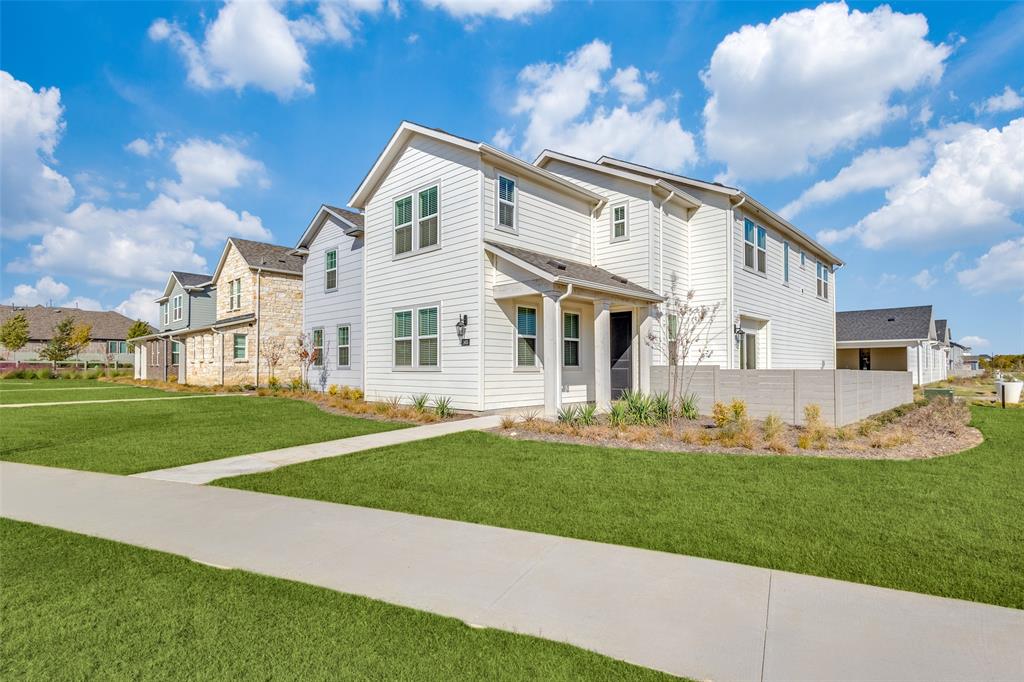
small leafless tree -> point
(685, 328)
(273, 350)
(307, 355)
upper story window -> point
(507, 202)
(571, 339)
(803, 259)
(177, 307)
(425, 213)
(620, 222)
(823, 280)
(331, 270)
(755, 246)
(318, 347)
(165, 313)
(416, 337)
(526, 336)
(235, 294)
(785, 262)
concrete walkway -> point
(259, 462)
(123, 400)
(695, 617)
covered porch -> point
(581, 333)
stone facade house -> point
(257, 310)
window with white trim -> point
(318, 347)
(117, 346)
(755, 246)
(235, 294)
(175, 352)
(620, 222)
(403, 225)
(331, 270)
(416, 337)
(426, 337)
(403, 338)
(344, 346)
(165, 313)
(785, 262)
(507, 202)
(240, 346)
(571, 339)
(822, 280)
(427, 218)
(177, 307)
(424, 213)
(526, 336)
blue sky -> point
(137, 136)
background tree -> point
(60, 347)
(138, 328)
(14, 333)
(81, 335)
(307, 355)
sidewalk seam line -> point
(767, 611)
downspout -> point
(729, 280)
(558, 332)
(259, 272)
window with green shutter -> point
(426, 337)
(526, 336)
(403, 225)
(344, 347)
(428, 217)
(240, 346)
(331, 270)
(403, 338)
(571, 340)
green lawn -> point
(49, 384)
(75, 607)
(19, 395)
(950, 526)
(126, 438)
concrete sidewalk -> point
(695, 617)
(125, 400)
(259, 462)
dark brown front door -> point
(621, 346)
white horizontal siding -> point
(448, 276)
(343, 306)
(707, 263)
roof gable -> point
(351, 222)
(886, 324)
(261, 256)
(187, 280)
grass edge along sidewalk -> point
(77, 606)
(949, 526)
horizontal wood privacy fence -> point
(844, 396)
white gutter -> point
(729, 280)
(259, 272)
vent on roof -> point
(891, 319)
(557, 264)
(623, 280)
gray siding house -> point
(332, 298)
(189, 300)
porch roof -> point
(561, 271)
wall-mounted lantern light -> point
(460, 329)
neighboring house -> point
(505, 284)
(257, 289)
(188, 301)
(901, 339)
(973, 362)
(109, 332)
(332, 298)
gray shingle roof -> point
(884, 324)
(585, 274)
(191, 279)
(271, 256)
(107, 325)
(351, 216)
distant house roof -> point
(268, 256)
(565, 271)
(107, 325)
(883, 324)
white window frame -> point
(235, 294)
(822, 281)
(518, 335)
(177, 308)
(785, 262)
(498, 201)
(572, 339)
(414, 197)
(624, 205)
(245, 348)
(347, 346)
(759, 254)
(318, 360)
(415, 339)
(165, 312)
(395, 226)
(176, 352)
(328, 270)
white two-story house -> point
(504, 284)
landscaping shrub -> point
(617, 414)
(567, 414)
(773, 427)
(420, 402)
(531, 416)
(688, 407)
(817, 434)
(734, 427)
(508, 421)
(690, 436)
(443, 407)
(639, 408)
(587, 414)
(661, 407)
(43, 374)
(891, 439)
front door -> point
(621, 347)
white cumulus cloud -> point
(924, 279)
(48, 291)
(499, 9)
(1008, 100)
(565, 109)
(974, 342)
(789, 92)
(206, 168)
(1000, 269)
(140, 306)
(975, 185)
(31, 124)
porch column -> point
(182, 363)
(602, 356)
(552, 389)
(643, 314)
